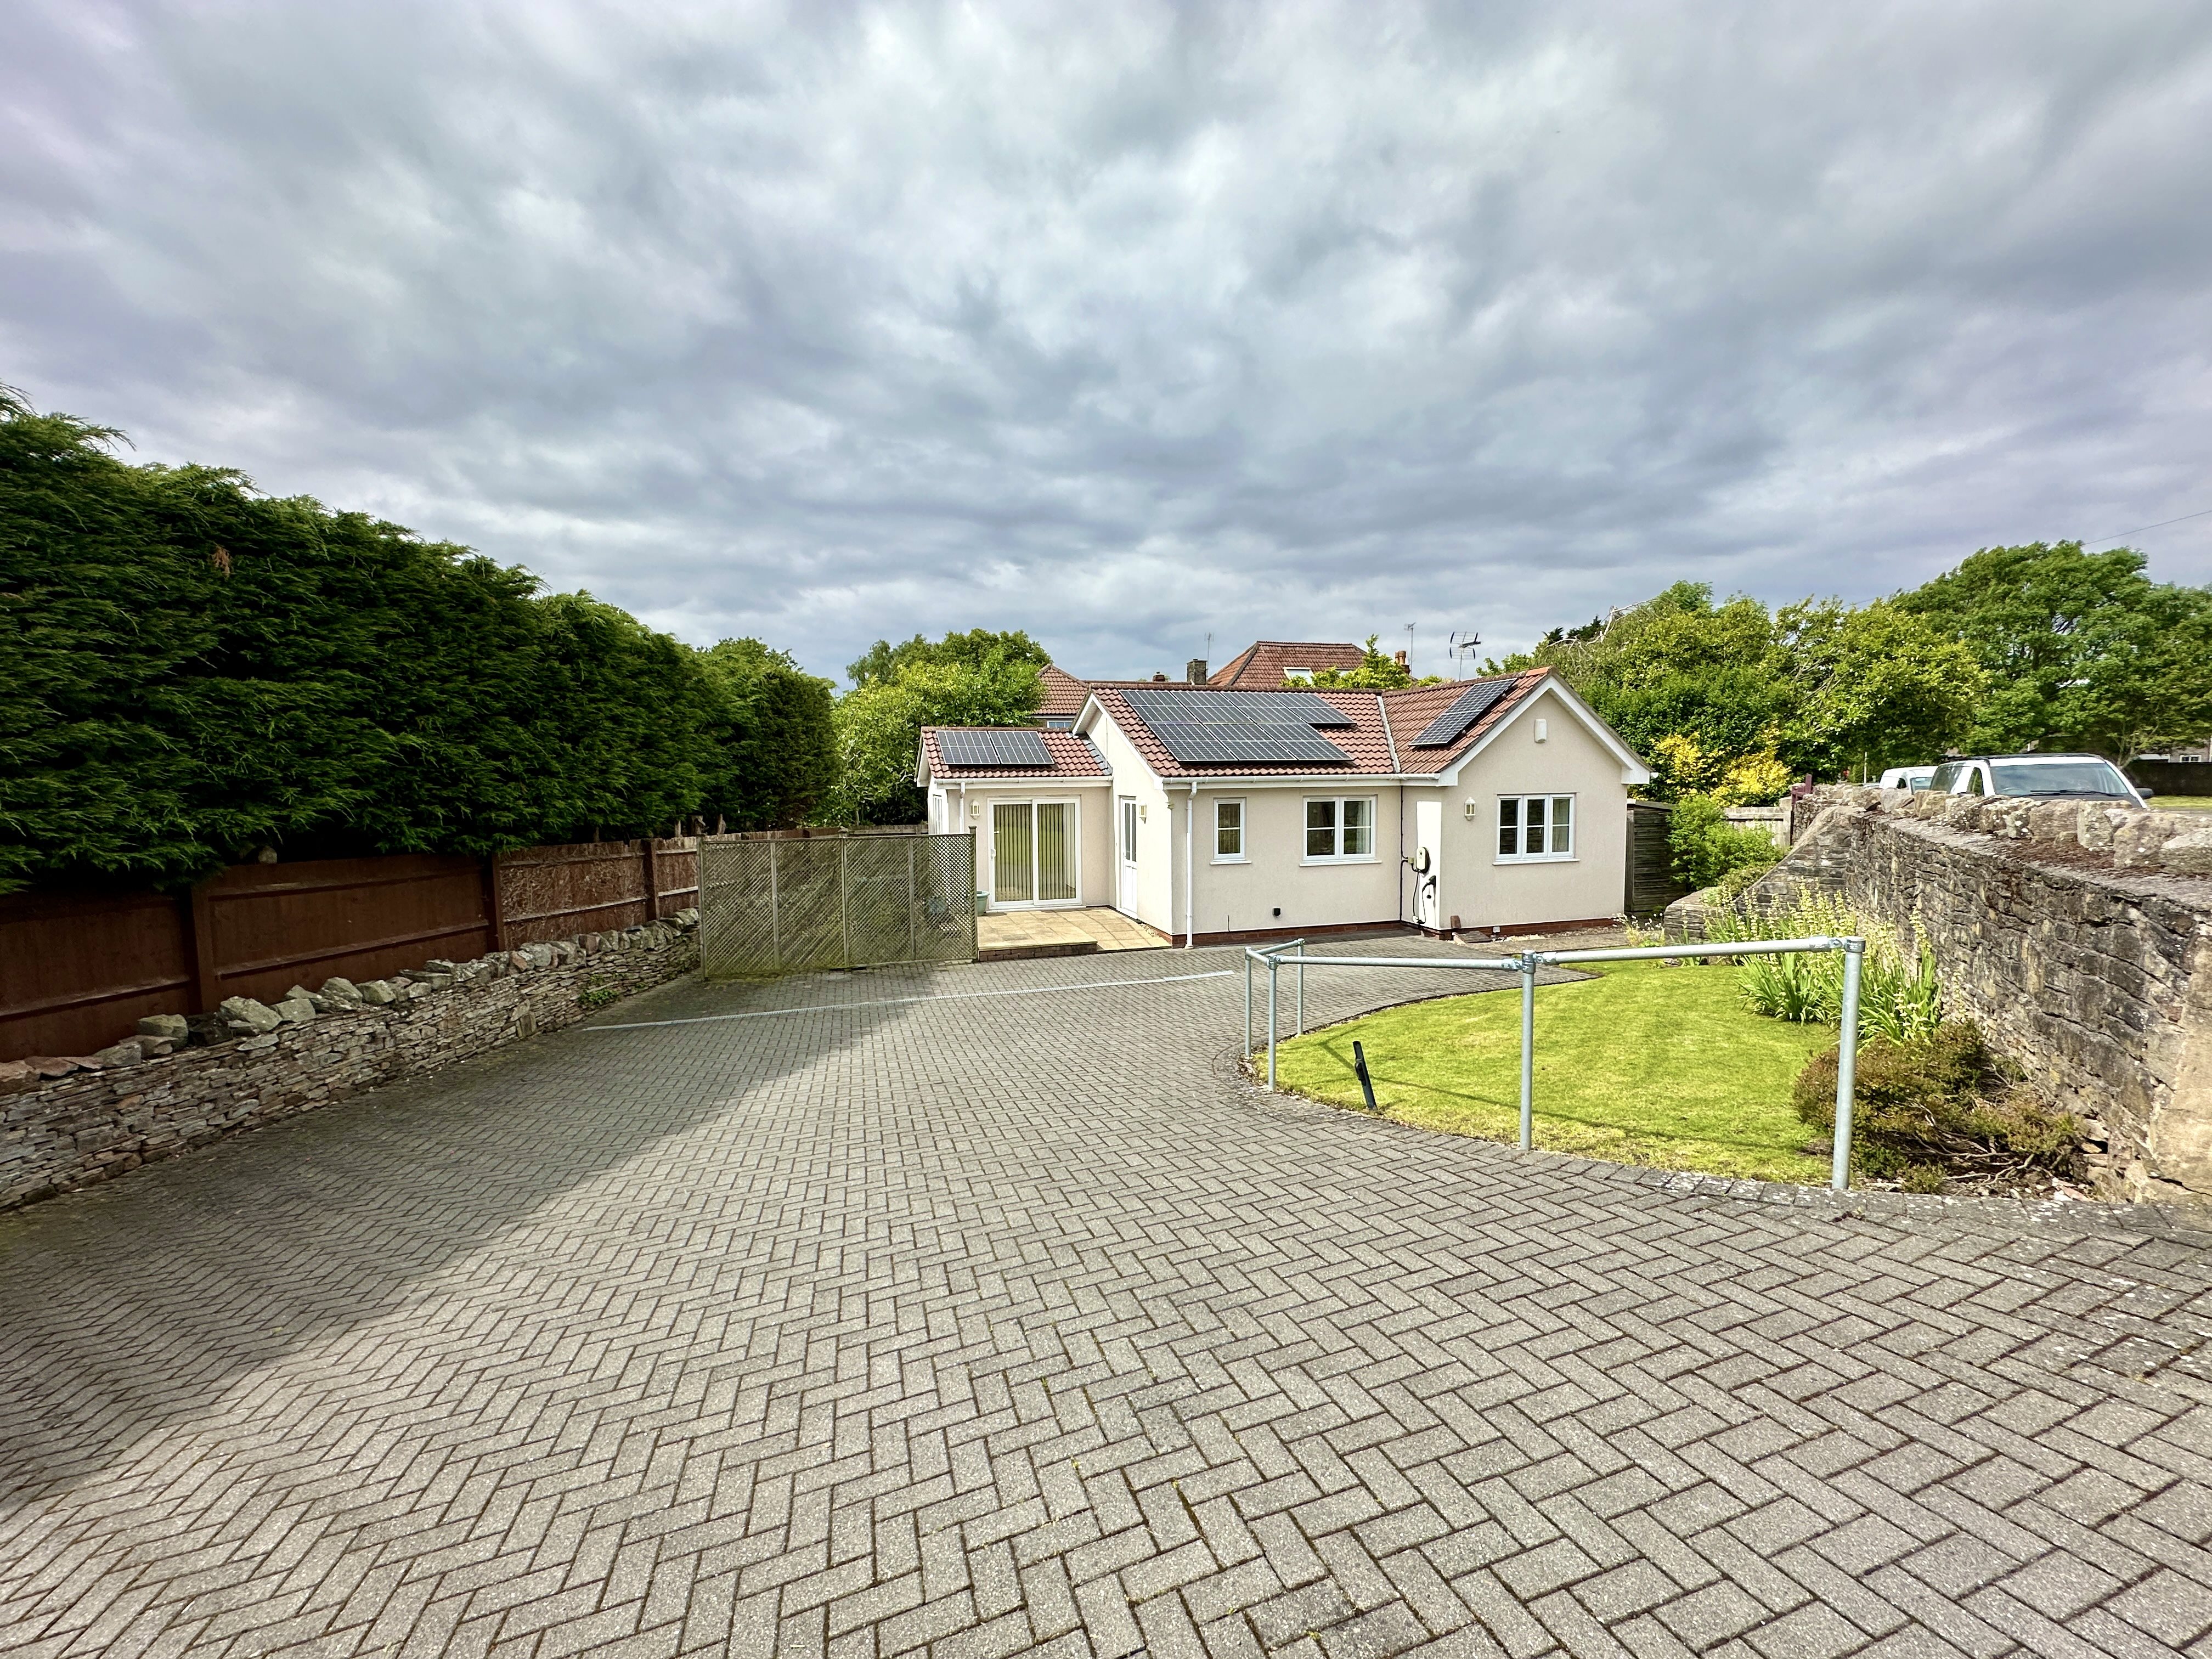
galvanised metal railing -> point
(1274, 958)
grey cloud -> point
(1128, 324)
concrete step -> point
(1073, 947)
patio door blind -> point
(1013, 880)
(1055, 866)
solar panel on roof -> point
(1217, 741)
(1470, 706)
(1197, 707)
(1013, 748)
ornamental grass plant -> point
(1899, 995)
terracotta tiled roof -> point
(1380, 740)
(1072, 756)
(1260, 667)
(1064, 695)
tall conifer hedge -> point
(189, 670)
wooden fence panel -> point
(553, 892)
(1650, 885)
(275, 925)
(547, 893)
(80, 969)
(676, 865)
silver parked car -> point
(2056, 777)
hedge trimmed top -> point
(189, 670)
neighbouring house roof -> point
(1379, 741)
(1073, 757)
(1063, 694)
(1260, 666)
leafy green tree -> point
(2081, 649)
(1728, 701)
(879, 725)
(1375, 672)
(1695, 688)
(1874, 687)
(884, 662)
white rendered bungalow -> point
(1215, 815)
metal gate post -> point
(1272, 964)
(913, 901)
(1302, 987)
(1528, 1050)
(1847, 1055)
(1247, 1004)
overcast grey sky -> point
(1129, 323)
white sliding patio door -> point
(1033, 852)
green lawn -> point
(2182, 803)
(1644, 1064)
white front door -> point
(1125, 891)
(1033, 856)
(1429, 852)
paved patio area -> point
(1006, 935)
(986, 1312)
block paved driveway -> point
(992, 1324)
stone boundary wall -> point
(2078, 936)
(72, 1121)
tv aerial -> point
(1462, 644)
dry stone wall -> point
(67, 1122)
(2078, 936)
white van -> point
(1914, 778)
(2059, 777)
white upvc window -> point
(1229, 831)
(1340, 830)
(1535, 828)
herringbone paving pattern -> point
(996, 1324)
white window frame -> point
(1338, 857)
(1520, 828)
(1243, 830)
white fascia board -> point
(1632, 768)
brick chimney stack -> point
(1401, 660)
(1194, 671)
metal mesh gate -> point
(786, 906)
